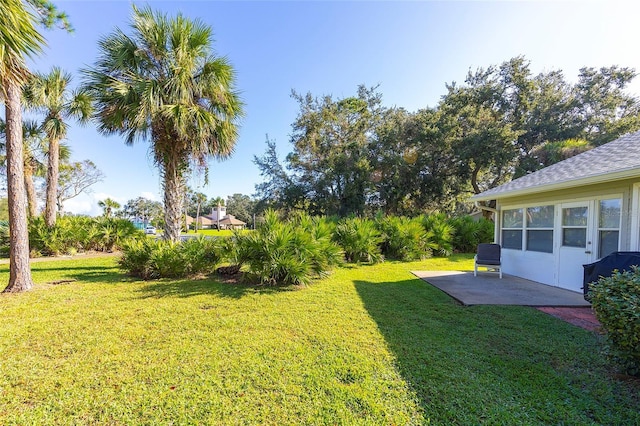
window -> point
(574, 226)
(512, 229)
(540, 229)
(608, 226)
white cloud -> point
(149, 195)
(82, 205)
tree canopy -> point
(354, 156)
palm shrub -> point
(72, 234)
(468, 233)
(360, 240)
(288, 253)
(149, 258)
(404, 238)
(440, 233)
(616, 302)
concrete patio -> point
(489, 289)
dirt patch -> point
(582, 317)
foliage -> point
(403, 238)
(108, 206)
(178, 95)
(243, 207)
(150, 258)
(50, 95)
(369, 345)
(616, 302)
(76, 178)
(360, 240)
(287, 253)
(440, 231)
(353, 155)
(468, 233)
(143, 209)
(72, 234)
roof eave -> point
(600, 178)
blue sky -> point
(409, 49)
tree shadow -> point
(469, 363)
(91, 274)
(196, 287)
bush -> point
(404, 239)
(360, 240)
(440, 233)
(468, 233)
(72, 234)
(148, 258)
(287, 253)
(616, 302)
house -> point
(230, 222)
(553, 221)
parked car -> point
(150, 230)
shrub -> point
(468, 233)
(404, 239)
(440, 233)
(360, 240)
(287, 253)
(616, 302)
(148, 258)
(79, 233)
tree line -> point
(352, 155)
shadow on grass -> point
(506, 365)
(188, 288)
(90, 274)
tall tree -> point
(51, 95)
(199, 198)
(606, 111)
(241, 206)
(330, 158)
(162, 83)
(144, 209)
(19, 38)
(34, 153)
(76, 178)
(108, 206)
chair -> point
(488, 256)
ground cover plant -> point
(366, 345)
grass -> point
(369, 345)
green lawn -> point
(369, 345)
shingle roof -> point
(617, 159)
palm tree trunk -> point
(197, 217)
(173, 196)
(31, 190)
(19, 269)
(53, 167)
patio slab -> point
(489, 289)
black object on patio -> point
(620, 260)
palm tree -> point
(199, 198)
(108, 205)
(163, 84)
(33, 150)
(51, 95)
(18, 38)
